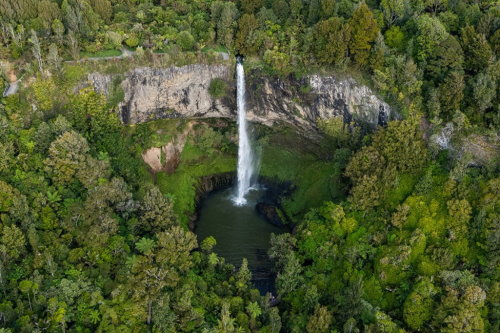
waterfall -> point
(245, 154)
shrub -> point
(132, 41)
(114, 39)
(185, 40)
(217, 88)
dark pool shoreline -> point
(275, 191)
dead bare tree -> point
(37, 51)
(73, 46)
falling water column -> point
(245, 154)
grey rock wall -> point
(155, 93)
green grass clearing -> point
(101, 54)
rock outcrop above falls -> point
(183, 92)
(175, 92)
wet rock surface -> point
(271, 213)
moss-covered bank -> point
(210, 149)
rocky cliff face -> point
(302, 102)
(152, 93)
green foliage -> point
(320, 321)
(132, 41)
(185, 40)
(89, 243)
(418, 305)
(43, 91)
(224, 15)
(331, 40)
(156, 211)
(244, 42)
(208, 243)
(393, 10)
(278, 61)
(376, 169)
(431, 32)
(395, 38)
(101, 54)
(364, 30)
(218, 88)
(103, 8)
(477, 51)
(145, 245)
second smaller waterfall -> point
(246, 161)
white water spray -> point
(246, 162)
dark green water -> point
(240, 233)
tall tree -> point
(48, 11)
(72, 43)
(296, 7)
(477, 51)
(452, 92)
(314, 11)
(157, 211)
(251, 6)
(244, 42)
(418, 306)
(12, 246)
(281, 10)
(243, 276)
(484, 90)
(58, 30)
(320, 321)
(67, 155)
(53, 58)
(161, 264)
(224, 15)
(364, 31)
(447, 56)
(327, 8)
(393, 10)
(331, 40)
(103, 8)
(431, 32)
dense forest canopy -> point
(407, 243)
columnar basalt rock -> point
(183, 92)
